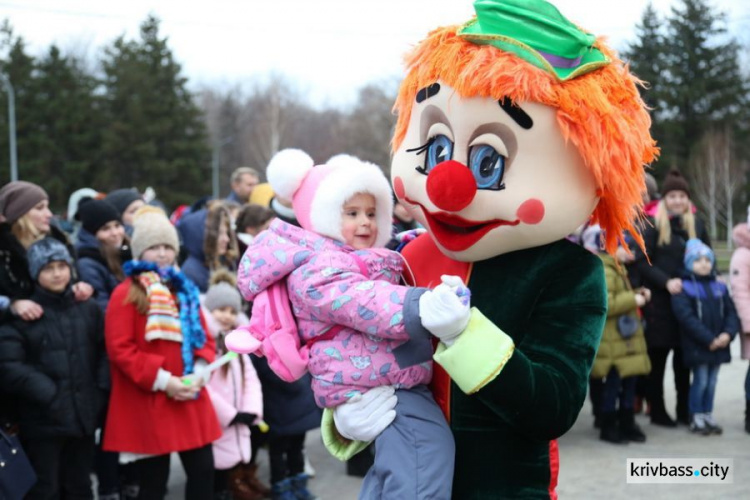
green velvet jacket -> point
(552, 302)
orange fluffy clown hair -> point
(601, 113)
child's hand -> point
(723, 339)
(443, 313)
(457, 286)
(247, 419)
(179, 391)
(640, 300)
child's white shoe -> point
(711, 425)
(698, 425)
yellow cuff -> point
(478, 354)
(337, 445)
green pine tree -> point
(646, 56)
(69, 126)
(703, 82)
(155, 134)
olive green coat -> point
(629, 357)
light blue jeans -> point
(703, 388)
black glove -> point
(247, 419)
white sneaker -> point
(711, 424)
(698, 424)
(308, 467)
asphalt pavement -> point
(589, 468)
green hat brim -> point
(591, 60)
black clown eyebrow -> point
(519, 116)
(428, 92)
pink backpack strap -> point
(361, 264)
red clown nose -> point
(450, 186)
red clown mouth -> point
(455, 233)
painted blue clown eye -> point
(487, 166)
(440, 149)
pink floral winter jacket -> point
(382, 342)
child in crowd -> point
(57, 368)
(236, 395)
(156, 337)
(622, 353)
(708, 322)
(251, 220)
(362, 331)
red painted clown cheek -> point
(398, 188)
(531, 212)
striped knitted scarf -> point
(165, 319)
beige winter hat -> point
(152, 227)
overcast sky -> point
(328, 48)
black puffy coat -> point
(56, 367)
(704, 309)
(288, 407)
(15, 282)
(662, 330)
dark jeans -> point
(747, 384)
(658, 357)
(286, 455)
(616, 388)
(62, 466)
(199, 469)
(703, 388)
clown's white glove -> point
(445, 311)
(364, 417)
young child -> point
(156, 341)
(57, 368)
(708, 322)
(361, 329)
(622, 353)
(235, 393)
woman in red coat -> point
(157, 346)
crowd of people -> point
(112, 353)
(667, 297)
(113, 331)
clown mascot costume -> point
(513, 130)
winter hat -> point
(122, 198)
(17, 198)
(77, 197)
(45, 251)
(151, 227)
(94, 214)
(318, 192)
(223, 292)
(694, 249)
(591, 238)
(674, 181)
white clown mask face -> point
(487, 178)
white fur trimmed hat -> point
(318, 192)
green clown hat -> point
(535, 31)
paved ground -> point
(591, 469)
